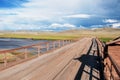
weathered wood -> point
(47, 46)
(26, 53)
(54, 44)
(5, 59)
(38, 50)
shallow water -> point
(6, 43)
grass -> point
(13, 56)
(38, 36)
(105, 39)
(9, 56)
(103, 34)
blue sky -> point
(57, 15)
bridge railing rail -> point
(17, 55)
(111, 69)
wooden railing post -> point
(111, 76)
(5, 59)
(38, 50)
(47, 46)
(54, 44)
(26, 53)
(59, 43)
(63, 43)
(66, 41)
(70, 41)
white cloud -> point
(52, 10)
(116, 25)
(79, 16)
(35, 12)
(66, 25)
(110, 21)
(48, 9)
(56, 5)
(69, 25)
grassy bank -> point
(38, 36)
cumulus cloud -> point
(36, 12)
(66, 25)
(79, 16)
(110, 21)
(116, 25)
(41, 14)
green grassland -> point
(105, 34)
(47, 36)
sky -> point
(58, 15)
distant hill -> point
(92, 30)
(100, 32)
(108, 33)
(107, 29)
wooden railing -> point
(101, 57)
(111, 69)
(101, 48)
(14, 56)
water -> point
(6, 43)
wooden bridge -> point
(83, 59)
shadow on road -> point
(93, 63)
(90, 61)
